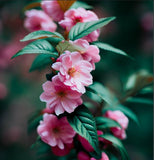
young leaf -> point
(63, 46)
(78, 4)
(37, 47)
(125, 110)
(41, 35)
(83, 123)
(117, 144)
(108, 47)
(103, 123)
(41, 61)
(65, 4)
(82, 29)
(102, 92)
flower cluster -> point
(72, 74)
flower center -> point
(56, 130)
(71, 72)
(61, 94)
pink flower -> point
(38, 20)
(87, 146)
(119, 117)
(91, 53)
(52, 8)
(55, 132)
(73, 16)
(60, 97)
(62, 152)
(83, 156)
(104, 157)
(74, 71)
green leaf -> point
(102, 92)
(125, 110)
(41, 35)
(140, 100)
(78, 4)
(103, 123)
(83, 123)
(108, 47)
(63, 46)
(37, 47)
(41, 61)
(117, 144)
(82, 29)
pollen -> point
(71, 72)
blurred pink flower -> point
(62, 152)
(74, 71)
(73, 16)
(91, 53)
(83, 156)
(104, 157)
(60, 97)
(38, 20)
(52, 8)
(119, 117)
(55, 132)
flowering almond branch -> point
(66, 122)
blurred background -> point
(132, 31)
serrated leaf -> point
(125, 110)
(103, 123)
(41, 35)
(63, 46)
(82, 29)
(41, 61)
(78, 4)
(110, 48)
(65, 4)
(37, 47)
(117, 144)
(102, 92)
(83, 123)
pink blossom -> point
(73, 16)
(91, 53)
(62, 152)
(83, 156)
(53, 9)
(119, 117)
(54, 131)
(104, 157)
(74, 71)
(85, 144)
(38, 20)
(60, 97)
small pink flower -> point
(39, 20)
(83, 156)
(104, 157)
(87, 146)
(119, 117)
(62, 152)
(74, 71)
(73, 16)
(55, 132)
(60, 97)
(52, 8)
(91, 53)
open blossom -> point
(60, 97)
(119, 117)
(74, 71)
(39, 20)
(53, 9)
(55, 132)
(73, 16)
(91, 53)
